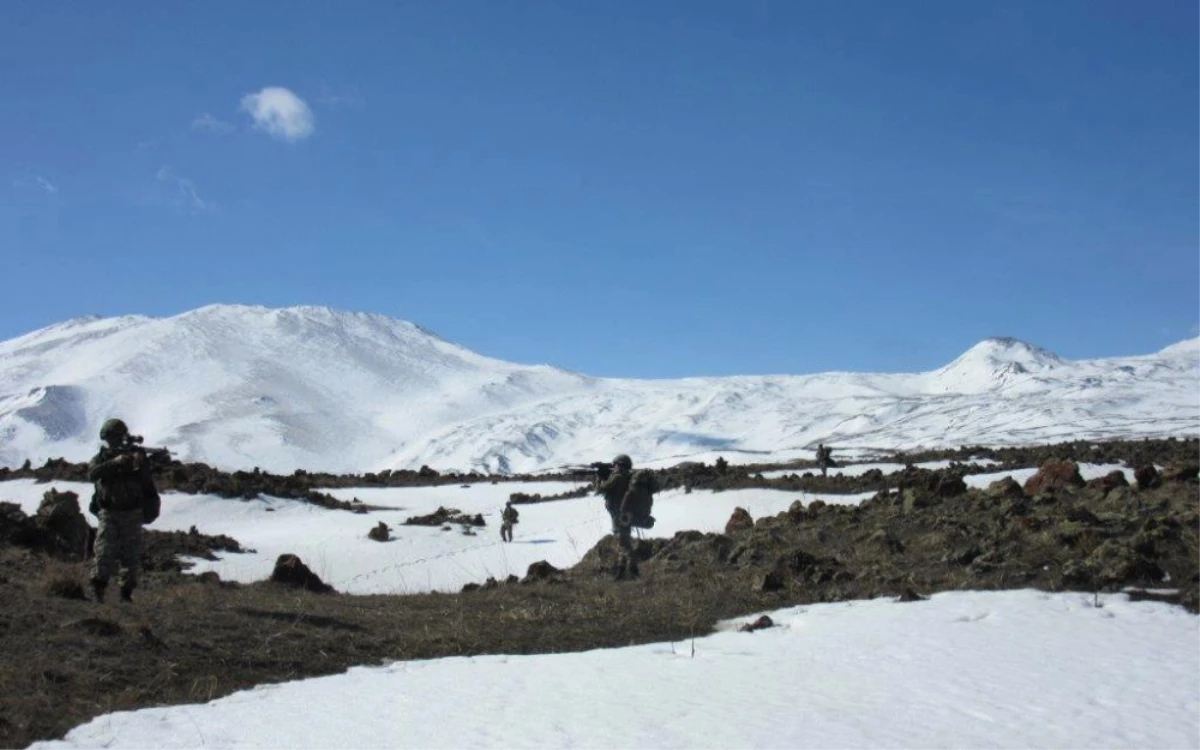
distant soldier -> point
(614, 490)
(124, 488)
(824, 458)
(508, 519)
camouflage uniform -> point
(508, 518)
(123, 483)
(614, 489)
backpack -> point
(639, 499)
(151, 502)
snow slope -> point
(1019, 669)
(320, 389)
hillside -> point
(319, 389)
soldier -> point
(823, 456)
(123, 488)
(614, 489)
(508, 518)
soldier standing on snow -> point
(507, 520)
(124, 487)
(824, 455)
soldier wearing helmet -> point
(613, 489)
(123, 484)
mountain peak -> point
(992, 364)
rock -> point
(1182, 473)
(443, 516)
(761, 623)
(291, 571)
(540, 571)
(1109, 481)
(381, 532)
(950, 485)
(60, 518)
(1054, 475)
(740, 520)
(1147, 477)
(770, 581)
(908, 595)
(1006, 487)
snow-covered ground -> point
(335, 546)
(965, 669)
(1015, 669)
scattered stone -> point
(761, 623)
(1054, 475)
(1006, 487)
(290, 571)
(540, 571)
(443, 516)
(381, 532)
(1147, 477)
(740, 520)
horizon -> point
(696, 189)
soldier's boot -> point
(127, 592)
(633, 570)
(98, 588)
(619, 571)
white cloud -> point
(280, 113)
(36, 182)
(207, 123)
(184, 193)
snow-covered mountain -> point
(320, 389)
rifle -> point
(602, 470)
(133, 444)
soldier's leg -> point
(104, 559)
(130, 552)
(627, 565)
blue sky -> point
(650, 189)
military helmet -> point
(623, 461)
(113, 428)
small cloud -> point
(183, 190)
(206, 123)
(38, 182)
(344, 98)
(280, 113)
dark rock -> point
(290, 571)
(740, 520)
(540, 571)
(761, 623)
(1006, 487)
(443, 516)
(1054, 475)
(381, 532)
(1147, 477)
(772, 580)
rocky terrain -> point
(195, 638)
